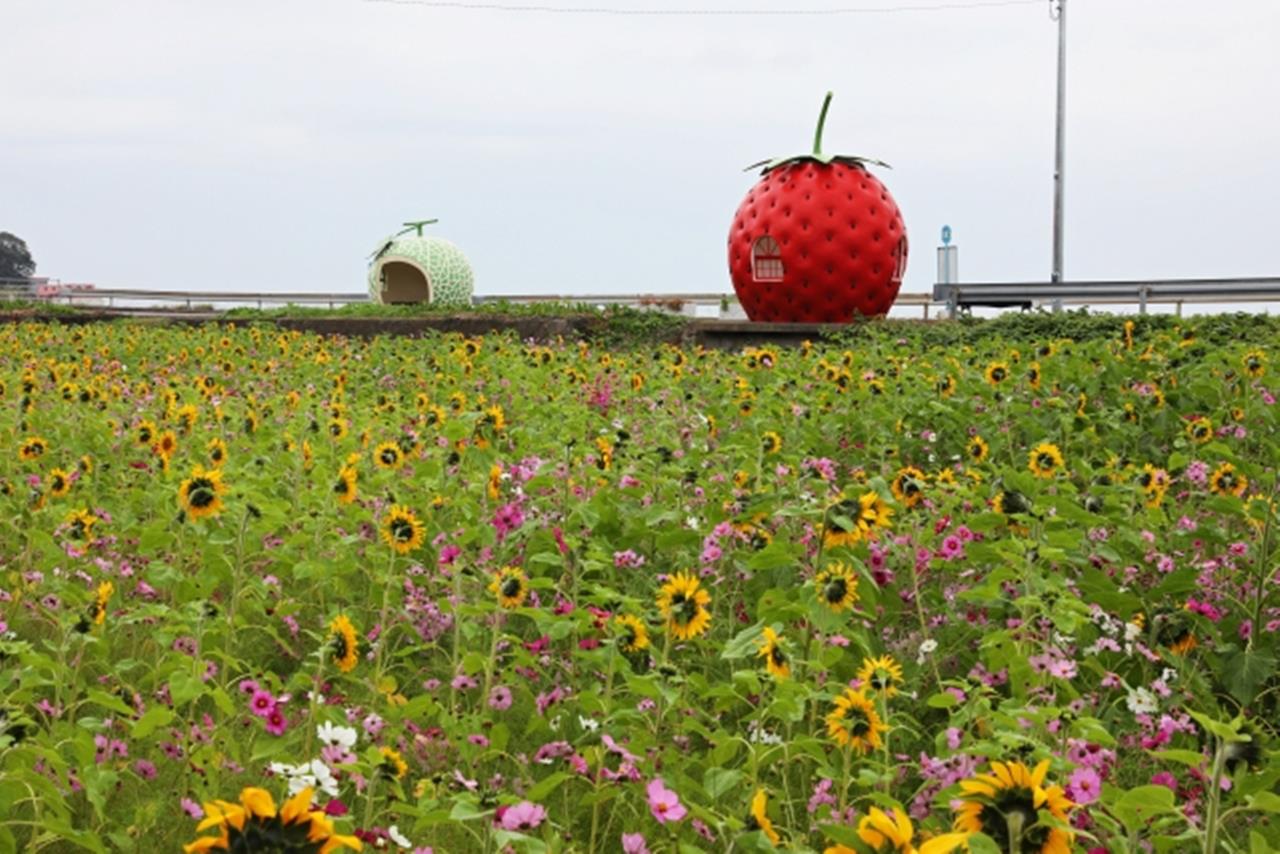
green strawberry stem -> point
(822, 122)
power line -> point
(481, 6)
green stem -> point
(822, 121)
(1215, 798)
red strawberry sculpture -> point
(817, 240)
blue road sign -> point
(946, 235)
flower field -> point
(262, 590)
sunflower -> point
(1200, 430)
(759, 818)
(881, 676)
(996, 373)
(402, 530)
(1255, 363)
(201, 494)
(166, 444)
(255, 825)
(837, 586)
(908, 486)
(32, 449)
(338, 428)
(85, 464)
(848, 521)
(494, 488)
(187, 416)
(854, 722)
(775, 657)
(635, 636)
(772, 442)
(495, 418)
(1128, 334)
(977, 449)
(144, 433)
(604, 448)
(757, 536)
(80, 525)
(388, 455)
(892, 833)
(1225, 480)
(217, 452)
(393, 764)
(105, 591)
(1044, 460)
(345, 486)
(1154, 483)
(344, 643)
(946, 386)
(1006, 806)
(510, 586)
(683, 602)
(1033, 375)
(59, 483)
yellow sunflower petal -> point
(296, 807)
(944, 844)
(258, 802)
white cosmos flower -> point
(344, 736)
(309, 775)
(1141, 701)
(299, 776)
(588, 724)
(398, 838)
(926, 649)
(324, 778)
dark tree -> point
(15, 258)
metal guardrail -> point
(1141, 292)
(953, 297)
(680, 303)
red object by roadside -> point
(818, 239)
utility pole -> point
(1058, 12)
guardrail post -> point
(926, 311)
(1142, 300)
(952, 300)
(1178, 308)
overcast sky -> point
(266, 145)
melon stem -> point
(822, 121)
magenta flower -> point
(664, 803)
(633, 843)
(523, 816)
(276, 722)
(262, 703)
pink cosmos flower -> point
(500, 698)
(1084, 786)
(523, 816)
(664, 803)
(192, 808)
(633, 843)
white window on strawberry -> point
(766, 260)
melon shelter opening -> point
(404, 282)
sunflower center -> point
(201, 493)
(835, 590)
(389, 457)
(511, 588)
(401, 530)
(1045, 461)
